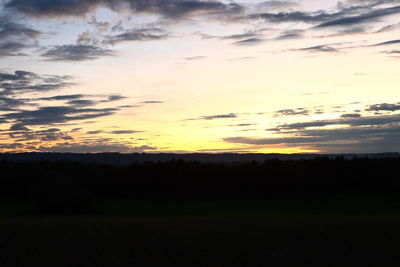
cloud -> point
(23, 81)
(275, 5)
(292, 112)
(390, 27)
(18, 127)
(95, 132)
(246, 35)
(150, 34)
(349, 133)
(152, 102)
(13, 146)
(96, 147)
(351, 115)
(112, 98)
(363, 18)
(53, 8)
(81, 103)
(29, 119)
(243, 124)
(15, 37)
(384, 107)
(221, 116)
(75, 52)
(352, 121)
(56, 115)
(348, 17)
(288, 36)
(167, 8)
(320, 48)
(115, 132)
(125, 132)
(194, 58)
(319, 136)
(391, 42)
(368, 138)
(295, 16)
(22, 133)
(10, 103)
(80, 100)
(62, 97)
(14, 85)
(393, 52)
(250, 41)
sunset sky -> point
(200, 76)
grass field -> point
(336, 232)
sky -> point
(206, 76)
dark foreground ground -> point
(356, 230)
(318, 212)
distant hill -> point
(126, 159)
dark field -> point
(360, 231)
(353, 223)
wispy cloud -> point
(75, 52)
(16, 37)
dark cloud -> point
(391, 42)
(292, 112)
(246, 35)
(23, 81)
(351, 115)
(243, 125)
(151, 34)
(319, 136)
(245, 38)
(379, 134)
(112, 98)
(19, 127)
(10, 103)
(273, 5)
(13, 146)
(320, 48)
(82, 103)
(256, 37)
(14, 30)
(179, 8)
(62, 97)
(8, 49)
(15, 37)
(95, 132)
(75, 52)
(363, 18)
(55, 115)
(152, 102)
(97, 146)
(250, 41)
(125, 132)
(129, 106)
(393, 52)
(362, 121)
(295, 16)
(221, 116)
(168, 8)
(388, 28)
(80, 100)
(24, 122)
(25, 134)
(346, 19)
(53, 7)
(384, 107)
(288, 36)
